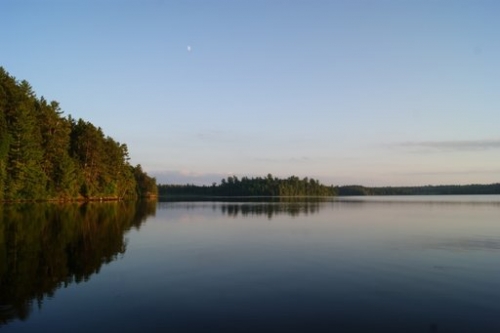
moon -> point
(189, 48)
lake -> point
(352, 264)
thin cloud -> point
(449, 172)
(212, 135)
(282, 160)
(459, 145)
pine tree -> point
(26, 178)
(46, 156)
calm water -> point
(378, 264)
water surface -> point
(386, 264)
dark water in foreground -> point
(385, 264)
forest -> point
(421, 190)
(47, 156)
(258, 186)
(293, 186)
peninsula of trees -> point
(45, 156)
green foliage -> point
(146, 186)
(268, 186)
(4, 146)
(46, 156)
(26, 179)
(293, 186)
(420, 190)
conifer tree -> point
(26, 178)
(44, 155)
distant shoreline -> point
(246, 189)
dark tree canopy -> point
(44, 155)
(420, 190)
(293, 186)
(259, 186)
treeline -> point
(293, 186)
(44, 155)
(259, 186)
(420, 190)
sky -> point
(348, 92)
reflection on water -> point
(466, 200)
(247, 206)
(330, 265)
(385, 264)
(295, 206)
(270, 209)
(47, 246)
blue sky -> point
(349, 92)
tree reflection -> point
(271, 209)
(47, 246)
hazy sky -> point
(350, 92)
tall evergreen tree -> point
(4, 144)
(26, 178)
(46, 156)
(57, 164)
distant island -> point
(294, 186)
(45, 156)
(259, 186)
